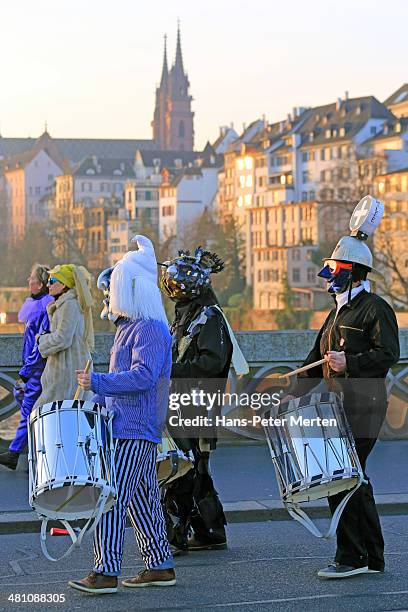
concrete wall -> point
(266, 352)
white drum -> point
(172, 462)
(313, 453)
(71, 464)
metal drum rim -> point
(290, 497)
(110, 500)
(39, 490)
(36, 413)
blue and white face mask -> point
(103, 283)
(337, 282)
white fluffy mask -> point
(134, 293)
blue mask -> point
(103, 283)
(338, 283)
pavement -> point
(268, 566)
(245, 479)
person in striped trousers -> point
(136, 389)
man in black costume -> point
(202, 352)
(359, 340)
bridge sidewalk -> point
(246, 482)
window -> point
(305, 156)
(296, 275)
(249, 163)
(322, 154)
(323, 175)
(304, 195)
(311, 275)
(129, 196)
(305, 176)
(37, 190)
(312, 195)
(181, 129)
(249, 180)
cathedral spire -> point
(179, 56)
(165, 70)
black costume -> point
(202, 349)
(366, 330)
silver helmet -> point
(365, 219)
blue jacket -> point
(137, 386)
(34, 314)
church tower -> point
(173, 124)
(158, 123)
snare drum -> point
(313, 453)
(71, 463)
(172, 462)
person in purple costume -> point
(27, 389)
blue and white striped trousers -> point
(138, 494)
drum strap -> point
(300, 515)
(89, 527)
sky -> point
(89, 68)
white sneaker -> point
(336, 570)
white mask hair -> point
(134, 293)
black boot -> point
(9, 459)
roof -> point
(389, 130)
(248, 135)
(95, 166)
(22, 159)
(178, 176)
(401, 95)
(282, 149)
(19, 161)
(194, 171)
(167, 159)
(400, 170)
(351, 114)
(209, 158)
(77, 149)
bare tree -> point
(392, 259)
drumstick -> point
(79, 388)
(306, 367)
(80, 489)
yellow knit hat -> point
(78, 277)
(65, 274)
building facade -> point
(27, 178)
(185, 196)
(327, 156)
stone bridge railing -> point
(267, 352)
